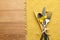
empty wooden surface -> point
(12, 23)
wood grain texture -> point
(11, 4)
(12, 23)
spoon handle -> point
(45, 36)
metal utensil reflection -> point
(43, 19)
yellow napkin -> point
(33, 31)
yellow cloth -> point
(32, 27)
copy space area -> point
(12, 23)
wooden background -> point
(12, 23)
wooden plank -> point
(12, 16)
(12, 23)
(12, 31)
(11, 4)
